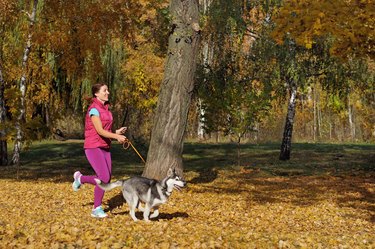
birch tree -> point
(286, 143)
(308, 23)
(207, 59)
(22, 86)
(8, 10)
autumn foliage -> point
(349, 23)
(237, 210)
(323, 199)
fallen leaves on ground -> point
(234, 210)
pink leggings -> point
(101, 162)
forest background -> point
(255, 58)
(268, 70)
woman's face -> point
(103, 94)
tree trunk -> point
(3, 140)
(22, 87)
(314, 106)
(171, 114)
(201, 120)
(350, 119)
(318, 117)
(288, 129)
(207, 60)
(239, 139)
(304, 133)
(330, 123)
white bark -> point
(350, 118)
(22, 87)
(207, 59)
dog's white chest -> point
(158, 202)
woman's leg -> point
(101, 162)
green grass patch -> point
(58, 160)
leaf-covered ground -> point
(250, 206)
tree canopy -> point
(349, 25)
(240, 88)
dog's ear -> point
(170, 172)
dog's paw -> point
(98, 181)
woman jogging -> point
(98, 135)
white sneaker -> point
(98, 212)
(77, 180)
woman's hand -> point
(121, 131)
(121, 138)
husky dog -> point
(148, 191)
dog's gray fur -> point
(148, 191)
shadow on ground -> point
(118, 202)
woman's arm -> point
(99, 129)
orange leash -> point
(126, 146)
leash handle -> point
(126, 146)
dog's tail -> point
(108, 186)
